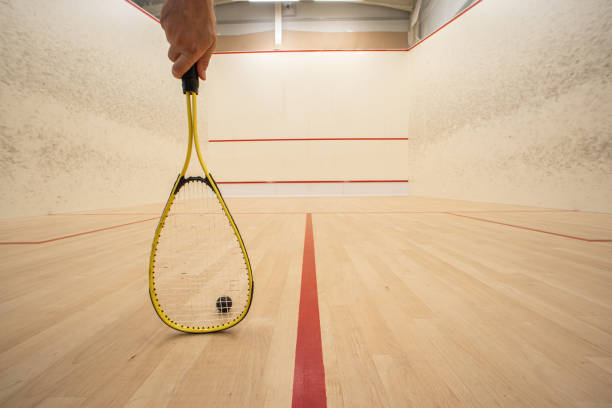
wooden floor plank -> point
(418, 308)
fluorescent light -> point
(278, 24)
(273, 1)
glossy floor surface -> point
(423, 302)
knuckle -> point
(192, 48)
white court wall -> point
(307, 95)
(512, 103)
(90, 116)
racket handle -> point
(191, 82)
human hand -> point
(191, 30)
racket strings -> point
(199, 260)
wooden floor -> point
(423, 303)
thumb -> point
(182, 65)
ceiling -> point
(406, 5)
(154, 6)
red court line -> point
(116, 214)
(337, 212)
(297, 51)
(345, 212)
(376, 212)
(307, 139)
(531, 229)
(73, 235)
(447, 23)
(516, 211)
(142, 10)
(309, 373)
(311, 181)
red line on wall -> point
(447, 23)
(306, 139)
(73, 235)
(145, 12)
(296, 51)
(309, 372)
(311, 181)
(531, 229)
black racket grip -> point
(191, 82)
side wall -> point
(90, 116)
(512, 103)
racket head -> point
(197, 258)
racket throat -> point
(184, 180)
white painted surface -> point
(307, 95)
(90, 116)
(512, 103)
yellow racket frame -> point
(193, 140)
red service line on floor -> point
(513, 211)
(311, 181)
(307, 139)
(531, 229)
(96, 214)
(74, 235)
(309, 373)
(343, 212)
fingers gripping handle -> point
(191, 82)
